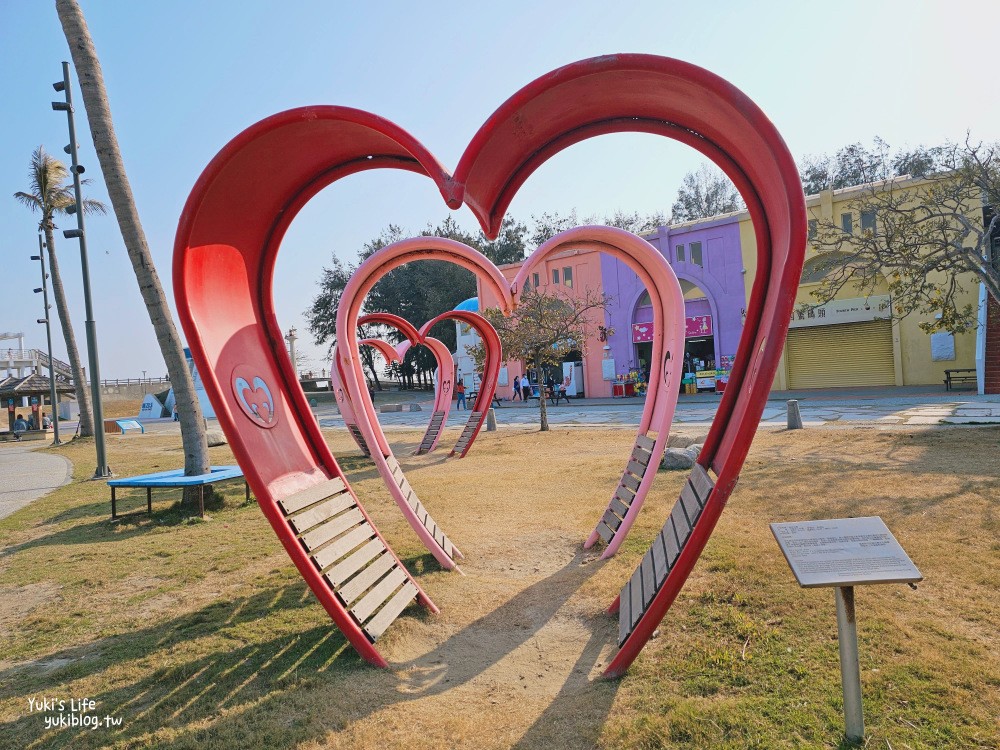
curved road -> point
(26, 475)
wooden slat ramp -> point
(421, 512)
(359, 439)
(432, 434)
(469, 433)
(354, 562)
(659, 559)
(635, 470)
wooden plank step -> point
(320, 535)
(635, 596)
(332, 552)
(311, 495)
(670, 541)
(378, 594)
(701, 482)
(605, 531)
(648, 579)
(625, 612)
(689, 502)
(660, 564)
(645, 442)
(618, 507)
(681, 525)
(320, 512)
(393, 608)
(636, 468)
(354, 562)
(366, 578)
(630, 481)
(612, 521)
(641, 456)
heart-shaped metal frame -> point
(237, 214)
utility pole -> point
(53, 397)
(102, 470)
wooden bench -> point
(175, 478)
(473, 395)
(960, 375)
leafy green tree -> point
(48, 195)
(704, 193)
(542, 331)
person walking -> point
(460, 393)
(525, 388)
(517, 390)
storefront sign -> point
(699, 325)
(858, 310)
(642, 332)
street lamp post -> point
(48, 337)
(103, 470)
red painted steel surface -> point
(228, 237)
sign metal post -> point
(842, 553)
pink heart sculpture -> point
(390, 353)
(227, 242)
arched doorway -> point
(701, 345)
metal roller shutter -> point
(836, 356)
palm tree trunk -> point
(88, 71)
(79, 379)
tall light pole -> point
(48, 337)
(102, 470)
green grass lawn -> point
(200, 633)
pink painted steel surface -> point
(666, 363)
(491, 367)
(228, 238)
(445, 363)
(348, 313)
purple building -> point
(706, 257)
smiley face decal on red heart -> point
(228, 239)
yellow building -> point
(853, 340)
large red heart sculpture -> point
(244, 201)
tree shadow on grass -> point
(133, 520)
(281, 691)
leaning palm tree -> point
(102, 129)
(49, 196)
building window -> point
(813, 228)
(680, 253)
(534, 280)
(555, 275)
(868, 222)
(696, 253)
(568, 277)
(847, 223)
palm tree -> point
(102, 129)
(48, 196)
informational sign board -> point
(608, 369)
(844, 552)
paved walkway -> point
(26, 475)
(914, 406)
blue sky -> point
(185, 77)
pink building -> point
(571, 273)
